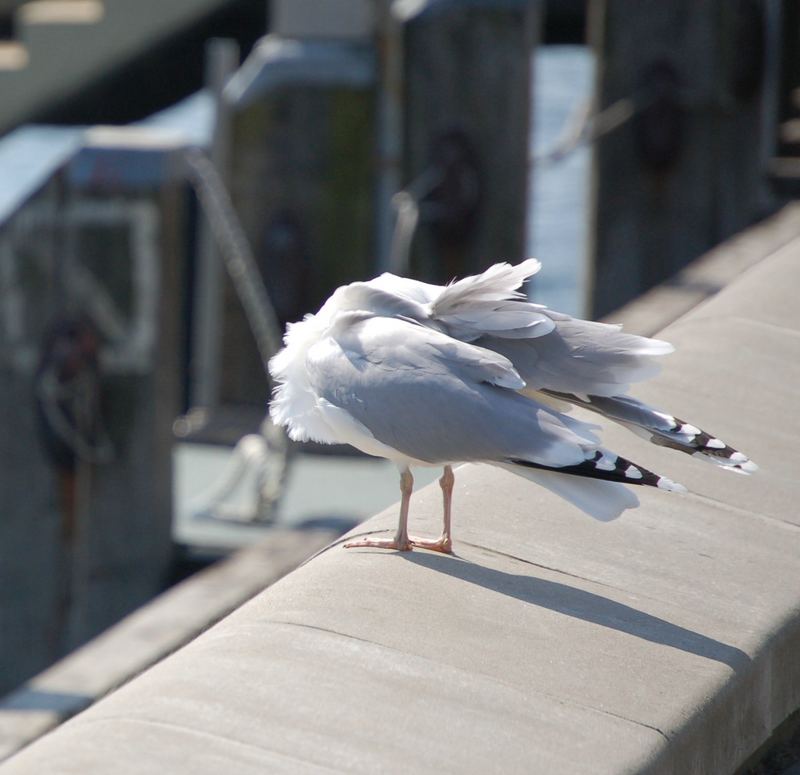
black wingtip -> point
(611, 468)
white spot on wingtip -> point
(741, 464)
(632, 472)
(736, 470)
(716, 444)
(605, 463)
(669, 485)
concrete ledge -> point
(148, 635)
(663, 642)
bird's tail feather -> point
(664, 430)
(600, 499)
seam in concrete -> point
(757, 324)
(486, 676)
(731, 508)
(683, 322)
(588, 579)
(423, 658)
(193, 732)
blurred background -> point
(180, 178)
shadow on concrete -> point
(588, 606)
(29, 699)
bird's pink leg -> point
(400, 542)
(445, 542)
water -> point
(558, 225)
(349, 488)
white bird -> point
(429, 375)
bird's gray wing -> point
(436, 399)
(593, 365)
(477, 305)
(582, 357)
(550, 350)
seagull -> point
(430, 375)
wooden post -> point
(302, 177)
(784, 45)
(467, 80)
(93, 268)
(687, 170)
(222, 57)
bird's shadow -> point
(584, 605)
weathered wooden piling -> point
(686, 171)
(466, 84)
(784, 44)
(302, 132)
(92, 340)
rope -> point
(236, 253)
(584, 127)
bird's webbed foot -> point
(443, 544)
(398, 544)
